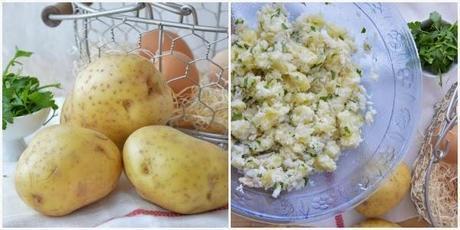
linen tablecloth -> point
(121, 208)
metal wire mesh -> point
(431, 179)
(96, 36)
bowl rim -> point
(36, 113)
(429, 74)
(268, 218)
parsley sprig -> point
(23, 94)
(436, 43)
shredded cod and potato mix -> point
(297, 99)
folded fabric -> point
(122, 208)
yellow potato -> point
(117, 94)
(220, 59)
(377, 223)
(176, 171)
(65, 168)
(389, 194)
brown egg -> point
(221, 59)
(451, 156)
(174, 68)
(149, 41)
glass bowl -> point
(396, 95)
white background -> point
(54, 48)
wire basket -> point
(434, 182)
(102, 28)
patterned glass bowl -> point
(396, 95)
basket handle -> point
(63, 8)
(52, 15)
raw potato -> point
(65, 168)
(377, 223)
(118, 94)
(220, 59)
(388, 195)
(176, 171)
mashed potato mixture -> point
(297, 99)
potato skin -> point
(377, 223)
(117, 94)
(389, 194)
(176, 171)
(65, 168)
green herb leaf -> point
(325, 98)
(435, 18)
(239, 21)
(346, 132)
(277, 13)
(22, 53)
(237, 116)
(367, 47)
(312, 154)
(306, 179)
(23, 95)
(19, 53)
(363, 30)
(436, 43)
(295, 35)
(284, 26)
(245, 82)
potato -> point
(65, 168)
(117, 94)
(389, 194)
(220, 59)
(176, 171)
(377, 223)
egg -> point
(451, 137)
(221, 59)
(174, 68)
(149, 41)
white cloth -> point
(431, 94)
(122, 208)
